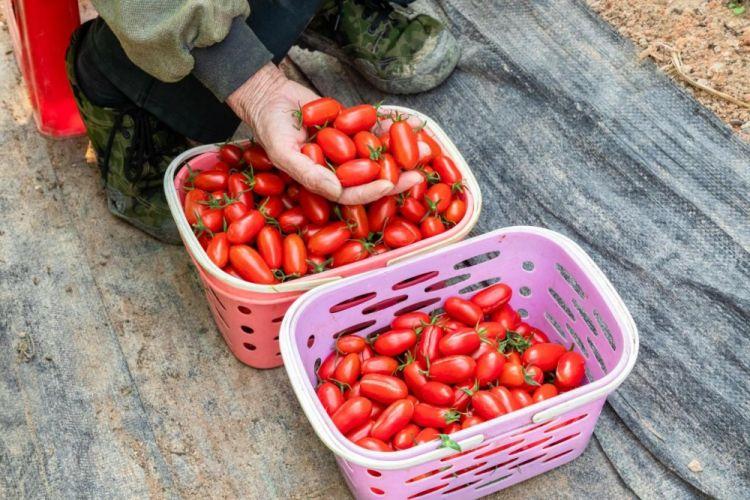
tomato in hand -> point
(403, 144)
(336, 145)
(250, 265)
(389, 170)
(368, 145)
(357, 172)
(356, 119)
(314, 152)
(352, 414)
(394, 342)
(319, 112)
(256, 158)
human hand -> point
(266, 102)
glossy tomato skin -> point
(507, 317)
(240, 190)
(269, 245)
(374, 444)
(431, 226)
(355, 217)
(428, 347)
(382, 388)
(357, 172)
(328, 366)
(395, 342)
(329, 239)
(246, 228)
(320, 111)
(464, 341)
(350, 251)
(250, 265)
(435, 149)
(292, 220)
(447, 170)
(356, 119)
(352, 414)
(489, 367)
(235, 211)
(570, 371)
(314, 152)
(336, 145)
(436, 393)
(493, 297)
(393, 419)
(295, 255)
(439, 196)
(211, 180)
(507, 402)
(271, 206)
(412, 210)
(462, 310)
(389, 169)
(267, 184)
(544, 392)
(330, 397)
(360, 432)
(512, 375)
(404, 438)
(218, 249)
(194, 206)
(462, 395)
(211, 220)
(426, 435)
(316, 208)
(492, 330)
(384, 365)
(348, 344)
(380, 212)
(231, 154)
(545, 355)
(538, 337)
(412, 320)
(486, 405)
(368, 145)
(522, 397)
(455, 211)
(348, 371)
(471, 421)
(256, 158)
(403, 145)
(414, 377)
(453, 369)
(400, 233)
(431, 416)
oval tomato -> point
(438, 197)
(435, 149)
(235, 211)
(316, 208)
(544, 392)
(272, 206)
(357, 118)
(360, 432)
(336, 145)
(389, 170)
(506, 316)
(357, 172)
(314, 152)
(462, 310)
(431, 416)
(414, 377)
(218, 249)
(412, 210)
(436, 393)
(250, 265)
(355, 217)
(295, 256)
(328, 367)
(512, 375)
(403, 144)
(374, 444)
(533, 378)
(462, 394)
(347, 372)
(243, 230)
(368, 145)
(320, 111)
(507, 402)
(269, 245)
(350, 343)
(431, 226)
(429, 342)
(256, 158)
(194, 205)
(211, 180)
(571, 369)
(382, 388)
(464, 341)
(487, 405)
(404, 438)
(455, 211)
(411, 320)
(292, 220)
(330, 397)
(400, 233)
(329, 239)
(384, 365)
(394, 342)
(352, 414)
(545, 355)
(491, 330)
(452, 369)
(350, 251)
(489, 367)
(447, 170)
(471, 421)
(522, 397)
(426, 435)
(493, 297)
(380, 212)
(231, 154)
(267, 184)
(393, 419)
(239, 189)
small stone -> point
(735, 122)
(746, 37)
(695, 466)
(35, 280)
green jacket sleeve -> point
(170, 39)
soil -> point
(713, 41)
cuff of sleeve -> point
(224, 66)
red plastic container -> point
(40, 31)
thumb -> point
(313, 177)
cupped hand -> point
(267, 102)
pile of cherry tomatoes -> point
(430, 376)
(258, 224)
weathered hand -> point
(266, 102)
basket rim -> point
(473, 436)
(301, 285)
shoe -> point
(133, 150)
(394, 49)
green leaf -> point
(447, 442)
(739, 10)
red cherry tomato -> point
(218, 249)
(352, 414)
(489, 367)
(452, 369)
(431, 226)
(544, 392)
(316, 208)
(436, 393)
(471, 421)
(389, 170)
(380, 212)
(295, 256)
(394, 342)
(336, 145)
(314, 152)
(403, 144)
(347, 372)
(231, 154)
(464, 341)
(412, 320)
(455, 211)
(512, 375)
(350, 343)
(414, 377)
(431, 416)
(545, 355)
(426, 435)
(194, 206)
(384, 365)
(374, 444)
(357, 172)
(487, 405)
(429, 342)
(400, 233)
(447, 170)
(211, 180)
(506, 316)
(571, 369)
(267, 184)
(239, 189)
(439, 197)
(269, 245)
(245, 229)
(538, 336)
(320, 111)
(393, 419)
(292, 220)
(328, 367)
(382, 388)
(491, 330)
(412, 210)
(256, 158)
(419, 190)
(360, 432)
(522, 397)
(235, 211)
(462, 310)
(493, 297)
(435, 149)
(507, 402)
(272, 206)
(355, 119)
(250, 265)
(329, 239)
(350, 251)
(368, 145)
(355, 217)
(404, 438)
(330, 397)
(211, 220)
(462, 395)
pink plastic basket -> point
(557, 287)
(249, 315)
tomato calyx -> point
(513, 341)
(447, 442)
(528, 379)
(409, 359)
(431, 177)
(280, 275)
(451, 416)
(432, 207)
(200, 227)
(457, 187)
(319, 267)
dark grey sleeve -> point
(224, 66)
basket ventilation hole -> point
(477, 259)
(246, 329)
(585, 317)
(354, 301)
(494, 481)
(415, 280)
(419, 305)
(566, 422)
(577, 339)
(385, 304)
(498, 449)
(464, 470)
(317, 364)
(529, 446)
(597, 355)
(557, 456)
(354, 328)
(278, 354)
(571, 280)
(374, 473)
(457, 488)
(561, 303)
(561, 440)
(496, 467)
(277, 320)
(479, 286)
(249, 346)
(459, 455)
(310, 340)
(447, 282)
(428, 491)
(371, 336)
(529, 429)
(528, 266)
(377, 491)
(528, 461)
(553, 322)
(243, 310)
(525, 291)
(605, 329)
(428, 474)
(523, 313)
